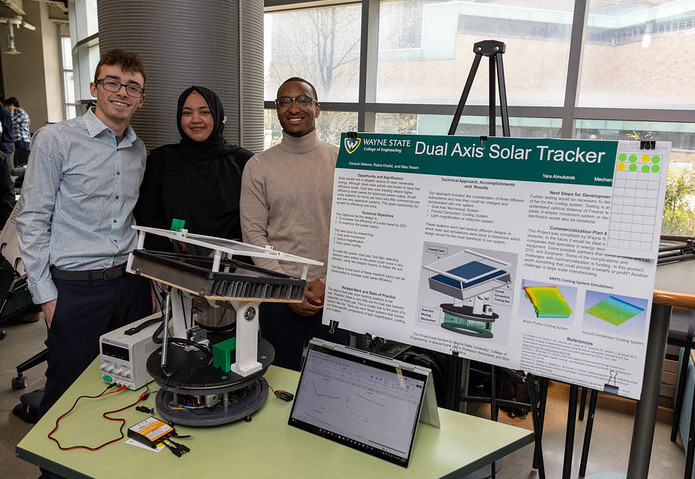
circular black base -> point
(189, 377)
(241, 403)
(462, 330)
(190, 371)
(462, 320)
(466, 312)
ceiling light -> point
(11, 49)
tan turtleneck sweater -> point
(286, 196)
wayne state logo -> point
(351, 144)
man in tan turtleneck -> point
(286, 196)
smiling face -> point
(115, 109)
(196, 119)
(296, 121)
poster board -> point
(531, 254)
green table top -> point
(265, 447)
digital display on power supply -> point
(115, 351)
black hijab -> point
(198, 182)
(215, 145)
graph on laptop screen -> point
(363, 402)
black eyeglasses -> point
(114, 86)
(303, 102)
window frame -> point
(367, 107)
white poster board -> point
(532, 254)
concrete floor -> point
(609, 448)
(23, 340)
(610, 440)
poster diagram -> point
(618, 314)
(533, 254)
(468, 278)
(547, 301)
(550, 303)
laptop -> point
(363, 401)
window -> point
(70, 108)
(679, 209)
(468, 125)
(84, 36)
(639, 55)
(426, 50)
(329, 125)
(321, 45)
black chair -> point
(15, 299)
(20, 381)
(30, 403)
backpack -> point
(510, 386)
(438, 363)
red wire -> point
(104, 415)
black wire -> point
(55, 428)
(186, 342)
(200, 347)
(183, 311)
(160, 329)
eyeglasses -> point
(114, 86)
(303, 102)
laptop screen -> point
(363, 401)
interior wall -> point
(193, 43)
(33, 76)
(50, 38)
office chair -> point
(15, 301)
(20, 381)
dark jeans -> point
(7, 148)
(21, 153)
(289, 333)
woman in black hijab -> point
(198, 180)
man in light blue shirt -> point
(76, 213)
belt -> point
(106, 274)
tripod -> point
(537, 387)
(494, 50)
